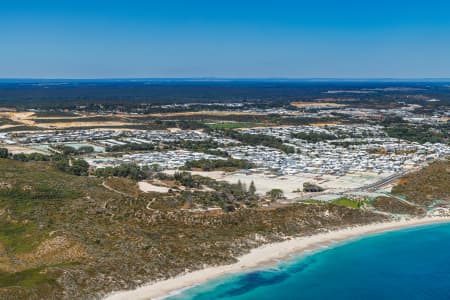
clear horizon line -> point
(212, 78)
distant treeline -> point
(67, 150)
(63, 162)
(207, 146)
(131, 171)
(314, 137)
(420, 133)
(130, 147)
(71, 93)
(4, 153)
(228, 196)
(229, 164)
(259, 140)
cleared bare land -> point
(86, 120)
(290, 183)
(148, 187)
(316, 104)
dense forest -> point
(127, 93)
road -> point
(380, 183)
(366, 188)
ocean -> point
(408, 264)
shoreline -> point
(267, 255)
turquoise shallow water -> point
(406, 264)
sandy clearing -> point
(148, 187)
(202, 112)
(20, 117)
(18, 149)
(29, 119)
(289, 183)
(263, 183)
(8, 126)
(301, 104)
(62, 125)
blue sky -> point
(217, 38)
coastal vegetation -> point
(420, 133)
(312, 188)
(67, 236)
(259, 140)
(208, 146)
(130, 147)
(228, 165)
(396, 206)
(4, 153)
(78, 167)
(314, 137)
(429, 185)
(131, 171)
(233, 125)
(275, 194)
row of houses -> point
(109, 137)
(324, 157)
(337, 130)
(160, 160)
(321, 158)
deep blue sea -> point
(406, 264)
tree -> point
(186, 179)
(85, 149)
(252, 188)
(244, 187)
(67, 150)
(63, 164)
(79, 167)
(239, 185)
(20, 157)
(311, 187)
(155, 167)
(4, 153)
(275, 194)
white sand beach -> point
(266, 255)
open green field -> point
(348, 203)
